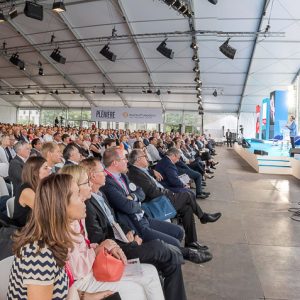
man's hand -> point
(107, 244)
(157, 175)
(118, 253)
(138, 240)
(130, 236)
(129, 197)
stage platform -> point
(276, 162)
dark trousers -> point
(166, 260)
(229, 142)
(152, 229)
(196, 176)
(186, 206)
(292, 141)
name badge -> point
(132, 187)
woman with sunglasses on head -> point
(82, 257)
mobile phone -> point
(115, 296)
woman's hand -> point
(97, 296)
(107, 244)
(118, 253)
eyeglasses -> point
(88, 183)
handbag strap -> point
(82, 231)
(69, 274)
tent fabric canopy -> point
(141, 76)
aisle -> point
(256, 246)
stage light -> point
(196, 69)
(199, 101)
(214, 2)
(197, 79)
(17, 62)
(55, 55)
(58, 6)
(107, 53)
(180, 6)
(195, 58)
(227, 50)
(215, 93)
(2, 18)
(92, 92)
(199, 96)
(169, 92)
(158, 92)
(7, 93)
(194, 46)
(41, 70)
(13, 12)
(162, 49)
(198, 88)
(33, 10)
(56, 92)
(103, 90)
(73, 92)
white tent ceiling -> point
(261, 65)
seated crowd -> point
(83, 193)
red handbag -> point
(107, 268)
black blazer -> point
(97, 224)
(15, 172)
(139, 178)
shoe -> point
(210, 218)
(203, 183)
(210, 172)
(196, 245)
(210, 177)
(212, 167)
(201, 196)
(198, 257)
(206, 193)
(215, 163)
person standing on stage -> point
(228, 136)
(293, 130)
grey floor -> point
(256, 246)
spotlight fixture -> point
(180, 6)
(55, 55)
(201, 112)
(7, 93)
(13, 12)
(33, 10)
(215, 93)
(198, 88)
(227, 50)
(17, 93)
(56, 92)
(103, 90)
(51, 92)
(58, 6)
(37, 92)
(169, 92)
(200, 107)
(197, 79)
(158, 92)
(199, 101)
(162, 49)
(194, 46)
(92, 92)
(17, 62)
(214, 2)
(41, 70)
(73, 92)
(2, 18)
(195, 58)
(149, 91)
(199, 96)
(107, 53)
(196, 69)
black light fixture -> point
(41, 70)
(56, 92)
(33, 10)
(7, 93)
(51, 92)
(158, 92)
(180, 6)
(198, 88)
(196, 69)
(14, 59)
(73, 92)
(13, 12)
(103, 90)
(195, 58)
(58, 6)
(164, 50)
(199, 101)
(215, 93)
(214, 2)
(194, 46)
(169, 92)
(107, 53)
(199, 96)
(197, 79)
(2, 18)
(55, 55)
(227, 50)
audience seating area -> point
(116, 173)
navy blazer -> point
(124, 208)
(169, 173)
(15, 172)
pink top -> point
(82, 257)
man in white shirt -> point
(152, 150)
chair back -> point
(10, 207)
(5, 267)
(3, 187)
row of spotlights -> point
(180, 6)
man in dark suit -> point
(124, 197)
(167, 168)
(100, 225)
(184, 202)
(16, 165)
(71, 155)
(228, 138)
(36, 145)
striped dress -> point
(37, 268)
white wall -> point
(8, 113)
(214, 123)
(248, 120)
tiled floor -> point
(256, 246)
